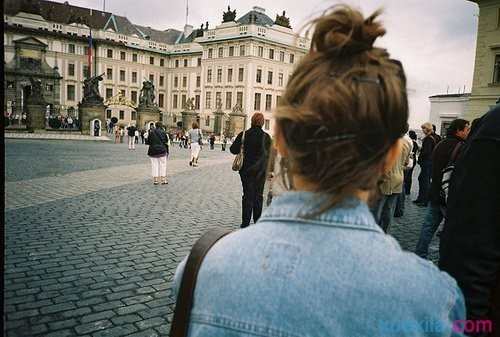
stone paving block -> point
(60, 333)
(97, 316)
(145, 333)
(119, 320)
(123, 330)
(22, 314)
(68, 323)
(130, 309)
(108, 305)
(93, 326)
(90, 301)
(137, 299)
(35, 304)
(151, 322)
(57, 307)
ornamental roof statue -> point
(229, 15)
(282, 20)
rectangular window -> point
(184, 100)
(177, 63)
(198, 81)
(134, 77)
(256, 104)
(208, 100)
(258, 79)
(151, 60)
(108, 113)
(174, 102)
(239, 98)
(280, 79)
(292, 58)
(133, 96)
(122, 55)
(86, 51)
(160, 100)
(266, 124)
(221, 52)
(109, 93)
(219, 75)
(151, 77)
(210, 51)
(176, 82)
(109, 74)
(134, 57)
(71, 69)
(240, 74)
(229, 99)
(184, 82)
(269, 99)
(271, 54)
(122, 75)
(133, 115)
(86, 73)
(269, 77)
(242, 50)
(496, 70)
(162, 62)
(282, 56)
(209, 75)
(278, 100)
(122, 93)
(110, 53)
(260, 51)
(231, 51)
(122, 114)
(230, 75)
(207, 121)
(70, 92)
(185, 63)
(197, 102)
(71, 49)
(199, 62)
(218, 99)
(162, 81)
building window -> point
(184, 81)
(280, 79)
(185, 62)
(160, 100)
(230, 75)
(151, 77)
(242, 50)
(198, 81)
(199, 62)
(239, 98)
(260, 51)
(219, 75)
(231, 51)
(108, 113)
(269, 77)
(278, 100)
(162, 80)
(221, 52)
(85, 50)
(208, 100)
(134, 77)
(218, 99)
(86, 73)
(210, 51)
(122, 114)
(133, 96)
(496, 72)
(209, 75)
(240, 74)
(266, 124)
(175, 102)
(122, 75)
(177, 63)
(207, 121)
(134, 57)
(70, 92)
(110, 53)
(122, 55)
(184, 100)
(271, 54)
(269, 99)
(71, 69)
(71, 49)
(151, 60)
(49, 87)
(259, 76)
(109, 74)
(109, 93)
(122, 93)
(292, 58)
(176, 82)
(197, 102)
(229, 98)
(162, 62)
(133, 115)
(282, 56)
(256, 104)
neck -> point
(301, 184)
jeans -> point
(400, 204)
(384, 210)
(431, 223)
(408, 175)
(424, 182)
(253, 197)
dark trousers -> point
(424, 182)
(408, 174)
(253, 197)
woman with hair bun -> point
(316, 263)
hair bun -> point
(343, 32)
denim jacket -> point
(334, 274)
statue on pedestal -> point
(91, 89)
(282, 20)
(237, 109)
(189, 105)
(36, 95)
(147, 96)
(229, 15)
(218, 104)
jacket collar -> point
(293, 206)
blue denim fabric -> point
(431, 223)
(384, 211)
(333, 274)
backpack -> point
(447, 173)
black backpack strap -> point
(456, 151)
(184, 303)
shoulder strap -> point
(242, 140)
(182, 313)
(455, 152)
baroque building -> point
(243, 62)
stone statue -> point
(147, 96)
(229, 15)
(189, 104)
(91, 89)
(218, 104)
(36, 94)
(237, 109)
(282, 20)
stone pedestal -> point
(219, 122)
(89, 112)
(237, 122)
(36, 116)
(188, 117)
(146, 115)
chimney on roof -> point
(188, 29)
(258, 9)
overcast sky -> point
(435, 39)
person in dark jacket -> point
(253, 172)
(157, 152)
(131, 136)
(445, 152)
(470, 242)
(409, 173)
(425, 162)
(436, 136)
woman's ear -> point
(280, 142)
(392, 155)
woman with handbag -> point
(195, 140)
(158, 151)
(253, 146)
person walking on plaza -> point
(142, 135)
(446, 152)
(316, 263)
(409, 173)
(117, 135)
(224, 143)
(122, 133)
(409, 165)
(212, 141)
(131, 129)
(158, 151)
(425, 162)
(253, 172)
(136, 136)
(195, 140)
(470, 242)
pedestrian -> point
(158, 151)
(224, 143)
(136, 136)
(425, 162)
(142, 135)
(131, 129)
(70, 122)
(409, 165)
(195, 141)
(122, 133)
(117, 135)
(212, 141)
(436, 136)
(445, 153)
(316, 263)
(409, 173)
(256, 146)
(470, 242)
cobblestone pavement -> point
(91, 244)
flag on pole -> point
(90, 54)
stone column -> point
(91, 111)
(146, 115)
(36, 116)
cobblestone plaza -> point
(92, 245)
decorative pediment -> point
(31, 41)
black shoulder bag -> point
(184, 303)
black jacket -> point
(157, 140)
(257, 144)
(428, 145)
(131, 131)
(470, 242)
